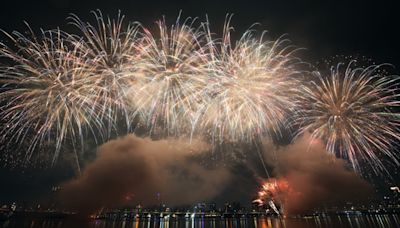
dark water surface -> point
(359, 221)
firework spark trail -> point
(43, 93)
(174, 70)
(249, 90)
(353, 110)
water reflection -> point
(365, 221)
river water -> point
(356, 221)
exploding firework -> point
(173, 71)
(179, 79)
(249, 91)
(111, 50)
(273, 194)
(352, 110)
(45, 95)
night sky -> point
(323, 28)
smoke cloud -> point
(133, 170)
(315, 177)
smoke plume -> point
(315, 177)
(135, 170)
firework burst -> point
(43, 95)
(111, 50)
(352, 110)
(180, 79)
(173, 71)
(273, 194)
(249, 90)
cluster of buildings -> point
(209, 210)
(389, 204)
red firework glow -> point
(273, 194)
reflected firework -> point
(353, 110)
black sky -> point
(324, 28)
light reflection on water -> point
(365, 221)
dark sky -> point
(324, 28)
